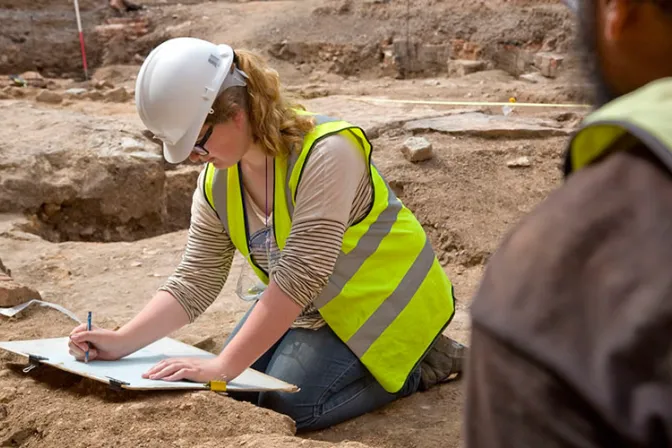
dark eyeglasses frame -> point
(199, 147)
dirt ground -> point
(478, 184)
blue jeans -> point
(335, 385)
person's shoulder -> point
(582, 249)
(337, 149)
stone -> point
(7, 394)
(404, 57)
(94, 95)
(533, 78)
(520, 162)
(49, 97)
(12, 293)
(548, 63)
(102, 84)
(4, 96)
(121, 195)
(417, 149)
(75, 91)
(118, 95)
(482, 125)
(207, 344)
(512, 59)
(129, 144)
(180, 186)
(31, 75)
(462, 67)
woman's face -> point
(226, 143)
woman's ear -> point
(240, 118)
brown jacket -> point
(572, 325)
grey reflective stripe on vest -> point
(348, 264)
(219, 196)
(383, 317)
(321, 119)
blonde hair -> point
(274, 122)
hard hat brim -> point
(179, 152)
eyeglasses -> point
(199, 147)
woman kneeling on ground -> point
(353, 299)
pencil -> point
(88, 328)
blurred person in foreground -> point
(572, 324)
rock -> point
(520, 162)
(4, 96)
(129, 144)
(121, 195)
(512, 59)
(375, 118)
(548, 63)
(15, 92)
(136, 264)
(482, 125)
(533, 78)
(118, 95)
(417, 149)
(94, 95)
(207, 344)
(31, 75)
(12, 293)
(404, 57)
(34, 79)
(180, 186)
(462, 67)
(5, 270)
(7, 394)
(397, 187)
(76, 91)
(47, 96)
(102, 84)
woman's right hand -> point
(103, 345)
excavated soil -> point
(95, 219)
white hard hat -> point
(176, 87)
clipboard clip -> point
(116, 385)
(216, 386)
(33, 361)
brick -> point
(12, 293)
(548, 63)
(462, 67)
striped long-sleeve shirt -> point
(335, 190)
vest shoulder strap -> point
(208, 179)
(643, 114)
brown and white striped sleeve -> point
(334, 190)
(206, 261)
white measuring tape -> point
(470, 103)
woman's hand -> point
(104, 345)
(192, 369)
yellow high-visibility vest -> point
(388, 297)
(643, 115)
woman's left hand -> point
(191, 369)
